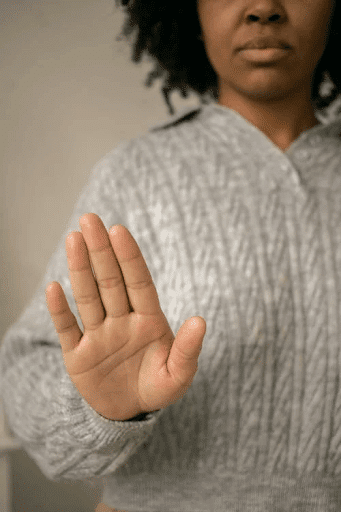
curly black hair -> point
(169, 33)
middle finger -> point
(107, 271)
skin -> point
(275, 98)
(127, 360)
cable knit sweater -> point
(249, 237)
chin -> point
(267, 89)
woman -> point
(235, 208)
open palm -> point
(127, 361)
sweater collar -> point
(329, 129)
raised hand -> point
(127, 360)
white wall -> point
(68, 94)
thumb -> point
(182, 362)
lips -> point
(261, 43)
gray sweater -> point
(249, 237)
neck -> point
(282, 121)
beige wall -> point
(68, 94)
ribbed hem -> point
(228, 492)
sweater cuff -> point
(142, 416)
(84, 422)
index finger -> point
(138, 281)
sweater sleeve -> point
(52, 422)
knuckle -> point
(133, 257)
(102, 250)
(84, 300)
(94, 326)
(67, 328)
(110, 282)
(140, 285)
(119, 315)
(183, 368)
(60, 312)
(185, 357)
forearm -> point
(58, 429)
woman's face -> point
(228, 25)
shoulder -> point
(157, 138)
(185, 116)
(140, 154)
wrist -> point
(141, 416)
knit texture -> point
(247, 236)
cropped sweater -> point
(249, 237)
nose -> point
(265, 12)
